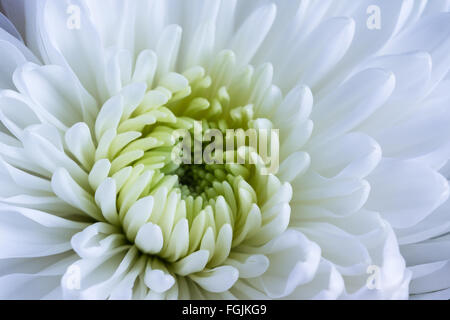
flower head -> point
(102, 98)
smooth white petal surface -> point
(88, 114)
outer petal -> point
(293, 262)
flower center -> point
(171, 209)
(195, 179)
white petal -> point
(429, 34)
(16, 114)
(109, 116)
(157, 279)
(67, 189)
(195, 262)
(11, 58)
(96, 240)
(99, 173)
(79, 49)
(43, 146)
(293, 262)
(344, 109)
(249, 37)
(352, 258)
(105, 198)
(7, 25)
(145, 67)
(341, 196)
(249, 266)
(437, 223)
(351, 155)
(293, 166)
(137, 215)
(219, 279)
(31, 233)
(167, 49)
(405, 192)
(326, 285)
(57, 94)
(149, 238)
(311, 60)
(80, 144)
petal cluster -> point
(93, 206)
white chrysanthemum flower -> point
(93, 206)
